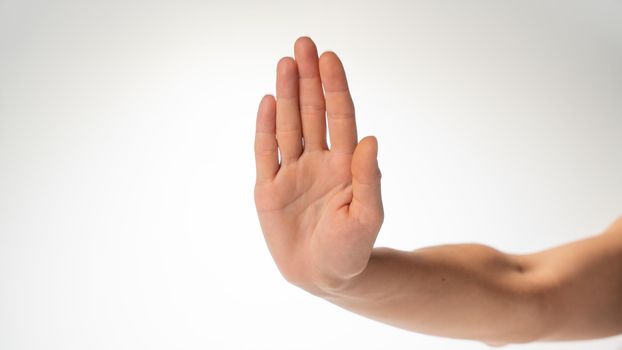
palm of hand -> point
(319, 209)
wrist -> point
(329, 285)
(358, 285)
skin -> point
(320, 210)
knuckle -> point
(314, 109)
(265, 149)
(341, 115)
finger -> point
(266, 150)
(366, 197)
(312, 106)
(341, 122)
(288, 126)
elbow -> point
(537, 304)
(533, 311)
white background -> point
(126, 166)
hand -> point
(320, 209)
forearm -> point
(463, 291)
(573, 291)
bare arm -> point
(320, 211)
(472, 291)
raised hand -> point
(320, 208)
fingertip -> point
(305, 53)
(366, 178)
(304, 42)
(328, 57)
(305, 49)
(266, 114)
(287, 78)
(371, 143)
(285, 65)
(332, 72)
(266, 147)
(327, 54)
(372, 139)
(267, 101)
(266, 98)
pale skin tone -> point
(320, 210)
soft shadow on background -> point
(126, 167)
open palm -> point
(320, 209)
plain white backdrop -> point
(126, 169)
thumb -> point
(366, 198)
